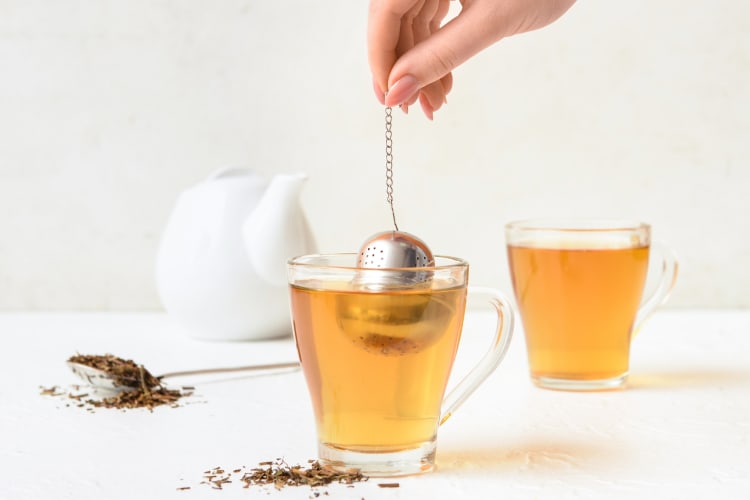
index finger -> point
(383, 31)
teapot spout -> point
(277, 229)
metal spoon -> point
(107, 382)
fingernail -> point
(378, 93)
(426, 107)
(401, 90)
(404, 107)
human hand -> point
(412, 56)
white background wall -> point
(109, 109)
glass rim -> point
(577, 224)
(455, 262)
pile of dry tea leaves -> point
(279, 474)
(142, 389)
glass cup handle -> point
(492, 358)
(667, 278)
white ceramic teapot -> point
(221, 264)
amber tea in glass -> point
(377, 358)
(579, 288)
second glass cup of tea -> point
(579, 288)
(377, 347)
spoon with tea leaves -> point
(109, 373)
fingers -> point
(433, 58)
(480, 24)
(407, 90)
(417, 26)
(432, 95)
(435, 25)
(383, 38)
(394, 28)
(412, 54)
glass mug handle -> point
(492, 358)
(667, 278)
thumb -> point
(463, 37)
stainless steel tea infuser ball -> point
(394, 249)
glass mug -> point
(377, 356)
(579, 288)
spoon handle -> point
(275, 366)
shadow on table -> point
(688, 379)
(554, 456)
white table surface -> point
(681, 430)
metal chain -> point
(389, 162)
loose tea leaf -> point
(50, 391)
(125, 372)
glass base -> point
(378, 463)
(566, 384)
